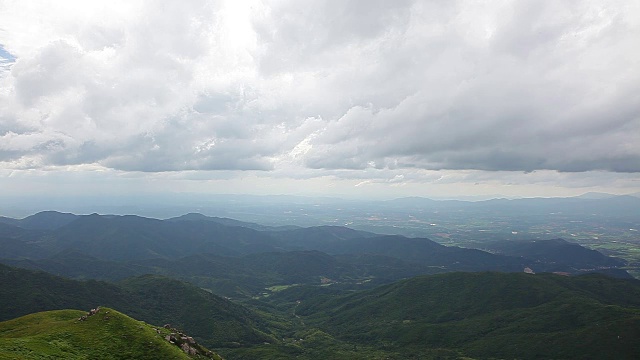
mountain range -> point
(129, 238)
(447, 316)
(249, 291)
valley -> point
(304, 180)
(250, 290)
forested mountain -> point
(321, 291)
(453, 315)
(554, 254)
(489, 315)
(122, 246)
(44, 220)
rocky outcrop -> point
(186, 343)
(90, 313)
(176, 337)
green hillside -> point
(217, 322)
(445, 316)
(213, 320)
(108, 334)
(489, 315)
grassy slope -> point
(106, 335)
(214, 321)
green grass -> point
(107, 335)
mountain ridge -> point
(150, 298)
(103, 333)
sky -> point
(367, 98)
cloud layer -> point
(304, 89)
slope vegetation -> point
(490, 315)
(108, 334)
(122, 244)
(213, 320)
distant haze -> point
(268, 208)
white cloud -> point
(383, 92)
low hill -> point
(215, 321)
(133, 237)
(18, 249)
(555, 255)
(44, 220)
(239, 277)
(10, 230)
(229, 222)
(107, 334)
(75, 265)
(489, 315)
(316, 237)
(24, 291)
(419, 250)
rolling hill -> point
(108, 334)
(555, 254)
(448, 316)
(44, 220)
(229, 259)
(214, 321)
(489, 315)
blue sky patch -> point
(6, 58)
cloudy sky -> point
(347, 98)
